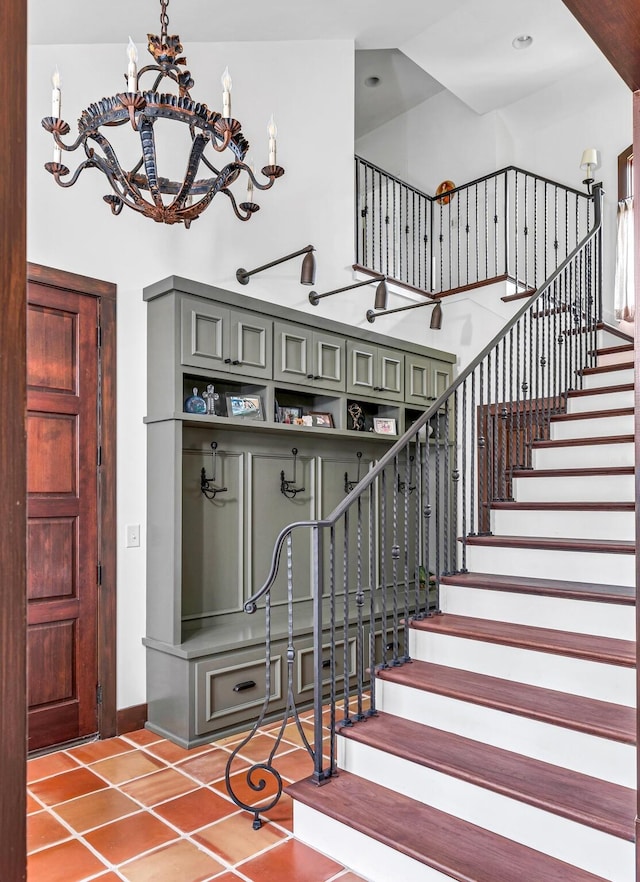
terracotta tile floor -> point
(140, 809)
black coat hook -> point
(287, 488)
(402, 485)
(349, 485)
(207, 485)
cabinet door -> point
(441, 377)
(361, 368)
(328, 362)
(204, 329)
(212, 534)
(419, 386)
(293, 353)
(390, 379)
(251, 345)
(269, 511)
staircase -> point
(505, 750)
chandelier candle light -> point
(142, 188)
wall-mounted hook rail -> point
(349, 485)
(402, 485)
(288, 488)
(207, 485)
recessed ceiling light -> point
(522, 42)
(372, 82)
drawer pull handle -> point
(326, 663)
(246, 684)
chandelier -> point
(142, 188)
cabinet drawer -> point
(305, 665)
(227, 691)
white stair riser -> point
(574, 488)
(563, 839)
(584, 456)
(577, 566)
(595, 427)
(579, 751)
(540, 611)
(606, 358)
(563, 673)
(604, 401)
(608, 378)
(565, 524)
(365, 856)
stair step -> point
(604, 719)
(611, 484)
(608, 375)
(591, 425)
(622, 594)
(615, 450)
(609, 650)
(575, 520)
(586, 800)
(416, 837)
(584, 615)
(606, 368)
(603, 399)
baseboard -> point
(128, 719)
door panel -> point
(62, 531)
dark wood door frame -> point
(13, 465)
(105, 293)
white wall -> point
(303, 84)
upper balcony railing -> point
(508, 224)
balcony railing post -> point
(317, 537)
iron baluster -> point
(405, 532)
(372, 606)
(360, 613)
(332, 648)
(455, 478)
(477, 235)
(395, 554)
(346, 717)
(467, 230)
(463, 442)
(383, 564)
(473, 455)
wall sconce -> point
(589, 163)
(436, 316)
(382, 295)
(307, 274)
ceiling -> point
(464, 46)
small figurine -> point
(357, 415)
(195, 403)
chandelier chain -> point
(164, 19)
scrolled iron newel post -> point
(257, 776)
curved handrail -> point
(401, 443)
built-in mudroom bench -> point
(257, 416)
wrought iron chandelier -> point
(142, 188)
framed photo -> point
(245, 407)
(384, 426)
(322, 420)
(290, 414)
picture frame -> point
(321, 420)
(245, 407)
(384, 425)
(289, 414)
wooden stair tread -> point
(606, 368)
(591, 801)
(589, 715)
(608, 650)
(601, 390)
(593, 414)
(454, 847)
(510, 504)
(611, 350)
(580, 442)
(623, 594)
(552, 543)
(580, 473)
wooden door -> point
(63, 404)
